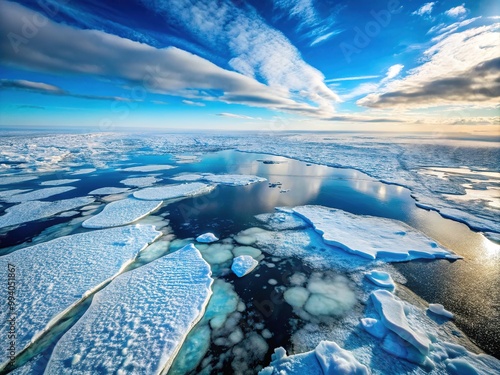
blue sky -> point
(260, 64)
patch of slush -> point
(148, 168)
(38, 194)
(326, 358)
(9, 180)
(140, 181)
(52, 277)
(223, 179)
(381, 278)
(174, 191)
(108, 191)
(121, 212)
(371, 237)
(243, 265)
(207, 238)
(439, 309)
(247, 250)
(59, 182)
(282, 220)
(35, 210)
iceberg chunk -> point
(174, 191)
(381, 278)
(52, 277)
(336, 361)
(393, 316)
(243, 265)
(38, 194)
(207, 238)
(439, 309)
(35, 210)
(371, 237)
(137, 324)
(122, 212)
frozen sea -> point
(250, 190)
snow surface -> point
(243, 265)
(52, 277)
(59, 182)
(224, 179)
(381, 278)
(108, 191)
(174, 191)
(439, 309)
(38, 194)
(137, 324)
(121, 212)
(148, 168)
(35, 210)
(375, 237)
(139, 181)
(207, 238)
(327, 358)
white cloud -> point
(456, 12)
(172, 71)
(233, 115)
(461, 69)
(256, 49)
(356, 78)
(392, 72)
(324, 37)
(425, 9)
(195, 104)
(367, 88)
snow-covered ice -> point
(138, 323)
(371, 237)
(439, 309)
(140, 181)
(59, 182)
(327, 358)
(83, 171)
(121, 212)
(223, 179)
(53, 276)
(174, 191)
(38, 194)
(207, 238)
(35, 210)
(108, 191)
(381, 278)
(243, 265)
(9, 180)
(148, 168)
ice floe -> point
(59, 182)
(174, 191)
(53, 276)
(371, 237)
(83, 171)
(8, 180)
(327, 358)
(439, 309)
(207, 238)
(243, 265)
(138, 323)
(223, 179)
(108, 191)
(35, 210)
(122, 212)
(148, 168)
(38, 194)
(381, 278)
(140, 181)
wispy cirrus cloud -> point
(456, 12)
(233, 115)
(424, 10)
(172, 71)
(371, 87)
(354, 78)
(461, 69)
(194, 104)
(254, 48)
